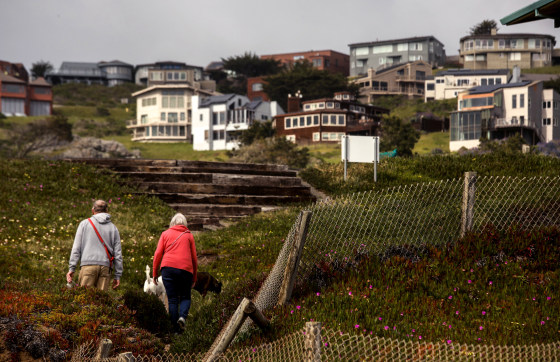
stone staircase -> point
(210, 192)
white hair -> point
(178, 219)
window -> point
(218, 135)
(522, 101)
(316, 136)
(201, 117)
(41, 90)
(13, 88)
(172, 117)
(257, 87)
(333, 120)
(318, 62)
(555, 121)
(325, 120)
(362, 51)
(379, 49)
(308, 119)
(430, 86)
(490, 81)
(162, 117)
(182, 116)
(515, 56)
(291, 138)
(415, 46)
(469, 58)
(315, 120)
(330, 104)
(288, 123)
(341, 120)
(498, 80)
(546, 122)
(403, 47)
(514, 101)
(144, 119)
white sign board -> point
(363, 149)
(360, 149)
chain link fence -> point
(402, 221)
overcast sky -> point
(198, 32)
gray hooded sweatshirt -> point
(87, 248)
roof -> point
(10, 79)
(78, 65)
(381, 42)
(395, 66)
(170, 86)
(254, 104)
(538, 10)
(40, 82)
(492, 88)
(115, 62)
(465, 72)
(216, 99)
(215, 66)
(507, 36)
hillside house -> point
(327, 119)
(449, 83)
(502, 110)
(21, 98)
(219, 120)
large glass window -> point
(465, 126)
(522, 101)
(514, 101)
(172, 117)
(13, 88)
(362, 51)
(379, 49)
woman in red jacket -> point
(177, 254)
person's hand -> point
(116, 283)
(69, 276)
(155, 279)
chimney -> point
(294, 102)
(494, 31)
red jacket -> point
(180, 254)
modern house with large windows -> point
(504, 51)
(104, 73)
(164, 108)
(500, 111)
(381, 54)
(218, 121)
(449, 83)
(328, 119)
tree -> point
(259, 130)
(397, 134)
(243, 66)
(310, 81)
(484, 27)
(40, 68)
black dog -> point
(206, 282)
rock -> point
(89, 147)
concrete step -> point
(213, 178)
(197, 188)
(233, 199)
(191, 210)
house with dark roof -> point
(219, 120)
(501, 110)
(167, 71)
(449, 83)
(504, 51)
(327, 119)
(386, 53)
(406, 79)
(105, 73)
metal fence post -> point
(469, 190)
(312, 342)
(293, 259)
(104, 349)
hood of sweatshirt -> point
(102, 217)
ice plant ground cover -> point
(441, 298)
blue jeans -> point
(177, 284)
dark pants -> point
(177, 284)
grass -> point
(431, 141)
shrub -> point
(148, 311)
(275, 150)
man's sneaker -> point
(181, 322)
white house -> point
(219, 120)
(448, 84)
(500, 111)
(163, 113)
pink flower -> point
(450, 297)
(292, 312)
(326, 344)
(547, 298)
(448, 341)
(469, 281)
(542, 323)
(386, 328)
(481, 327)
(318, 294)
(490, 282)
(298, 307)
(350, 293)
(380, 318)
(419, 337)
(357, 326)
(371, 287)
(457, 312)
(483, 313)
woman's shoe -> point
(181, 323)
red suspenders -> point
(111, 258)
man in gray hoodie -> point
(97, 247)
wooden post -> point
(312, 342)
(104, 349)
(469, 190)
(293, 259)
(236, 322)
(245, 308)
(256, 315)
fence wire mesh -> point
(403, 221)
(337, 346)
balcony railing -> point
(514, 122)
(154, 121)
